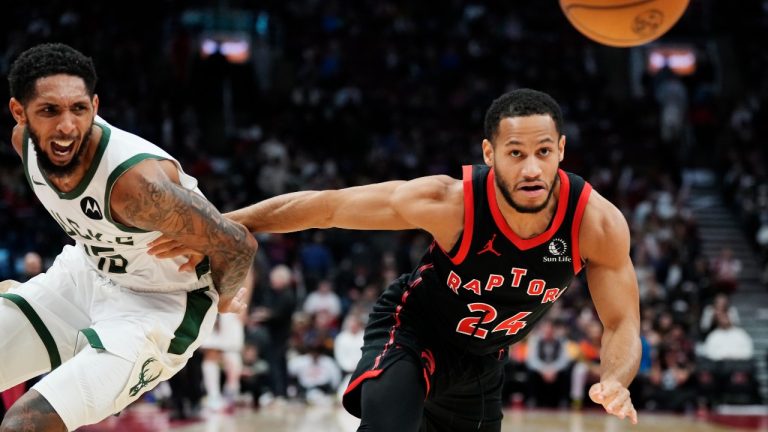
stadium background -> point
(334, 94)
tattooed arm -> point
(148, 196)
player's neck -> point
(67, 183)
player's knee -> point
(32, 413)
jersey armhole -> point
(469, 218)
(578, 264)
(116, 174)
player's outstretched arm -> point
(420, 203)
(147, 196)
(434, 204)
(604, 240)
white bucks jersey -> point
(117, 251)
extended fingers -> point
(236, 304)
(617, 402)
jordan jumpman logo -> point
(489, 247)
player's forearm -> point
(620, 353)
(230, 263)
(284, 213)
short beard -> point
(50, 168)
(504, 188)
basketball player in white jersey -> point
(108, 321)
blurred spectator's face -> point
(354, 325)
(280, 277)
(59, 119)
(525, 155)
(324, 287)
(723, 320)
(721, 302)
(33, 264)
(250, 354)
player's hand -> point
(614, 397)
(165, 247)
(237, 304)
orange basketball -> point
(623, 23)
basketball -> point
(623, 23)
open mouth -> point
(62, 147)
(532, 188)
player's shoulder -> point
(603, 226)
(434, 188)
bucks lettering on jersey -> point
(490, 289)
(117, 251)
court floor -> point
(295, 417)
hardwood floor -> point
(296, 417)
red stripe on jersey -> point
(364, 376)
(577, 216)
(501, 223)
(394, 328)
(469, 218)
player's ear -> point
(488, 152)
(95, 104)
(561, 147)
(17, 110)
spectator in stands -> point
(255, 374)
(316, 260)
(317, 374)
(323, 299)
(549, 364)
(672, 382)
(275, 314)
(727, 342)
(347, 345)
(726, 270)
(727, 374)
(586, 369)
(721, 304)
(33, 265)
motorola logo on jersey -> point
(91, 208)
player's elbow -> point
(250, 245)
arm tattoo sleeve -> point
(192, 220)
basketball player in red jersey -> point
(508, 239)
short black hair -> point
(45, 60)
(521, 103)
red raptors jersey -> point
(493, 286)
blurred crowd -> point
(339, 94)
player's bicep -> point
(610, 273)
(364, 207)
(144, 197)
